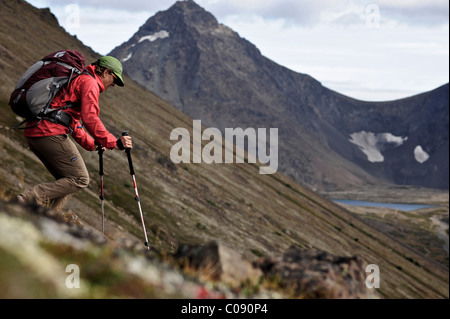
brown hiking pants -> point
(63, 160)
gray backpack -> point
(38, 86)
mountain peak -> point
(190, 13)
(187, 6)
(209, 72)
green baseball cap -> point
(114, 66)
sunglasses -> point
(114, 76)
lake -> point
(402, 207)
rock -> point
(217, 261)
(318, 274)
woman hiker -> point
(52, 145)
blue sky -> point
(371, 50)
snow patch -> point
(372, 144)
(420, 155)
(155, 36)
(389, 138)
(128, 57)
(367, 143)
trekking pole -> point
(102, 198)
(133, 174)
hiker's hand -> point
(126, 142)
(99, 147)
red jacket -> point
(84, 89)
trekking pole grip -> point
(128, 151)
(100, 157)
(100, 161)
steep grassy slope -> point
(190, 203)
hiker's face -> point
(108, 79)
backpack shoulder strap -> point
(85, 71)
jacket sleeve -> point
(89, 92)
(82, 137)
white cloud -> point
(301, 12)
(413, 12)
(130, 6)
(314, 12)
(329, 40)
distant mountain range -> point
(327, 141)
